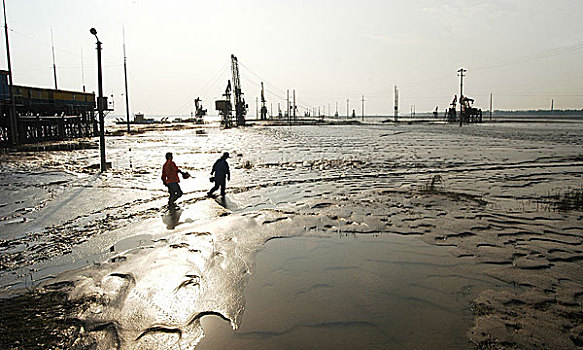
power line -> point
(43, 43)
(534, 56)
(210, 83)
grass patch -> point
(563, 200)
(433, 185)
(436, 185)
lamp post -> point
(100, 103)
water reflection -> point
(172, 218)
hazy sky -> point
(524, 52)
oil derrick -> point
(239, 100)
(263, 108)
(225, 108)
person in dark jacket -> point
(221, 174)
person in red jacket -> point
(170, 178)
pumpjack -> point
(469, 114)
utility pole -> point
(288, 111)
(54, 61)
(295, 107)
(263, 110)
(256, 108)
(347, 108)
(490, 107)
(82, 70)
(336, 115)
(362, 107)
(125, 74)
(100, 104)
(461, 72)
(396, 105)
(13, 118)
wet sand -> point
(330, 237)
(374, 291)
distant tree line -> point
(541, 111)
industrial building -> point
(45, 114)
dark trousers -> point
(175, 191)
(219, 182)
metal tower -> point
(240, 105)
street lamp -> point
(100, 103)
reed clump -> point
(436, 186)
(563, 200)
(433, 185)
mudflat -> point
(350, 236)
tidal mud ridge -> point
(368, 236)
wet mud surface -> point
(386, 236)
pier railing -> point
(33, 129)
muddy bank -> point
(152, 278)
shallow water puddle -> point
(367, 291)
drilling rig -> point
(239, 100)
